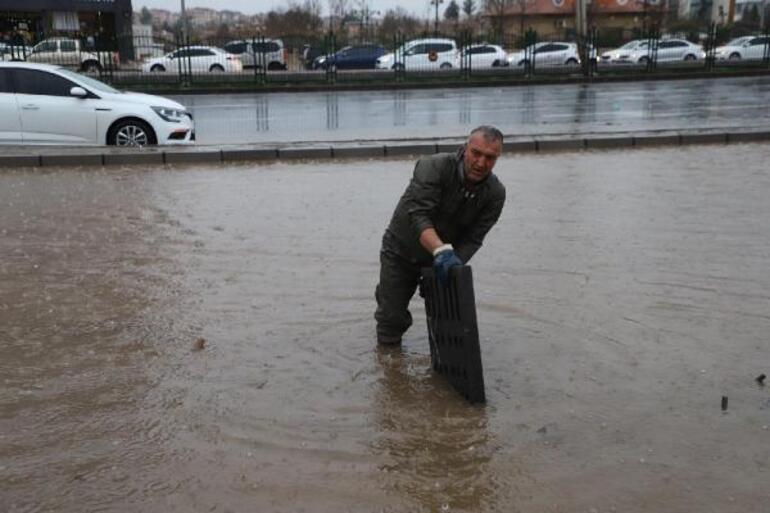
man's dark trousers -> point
(398, 281)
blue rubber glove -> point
(444, 258)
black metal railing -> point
(259, 60)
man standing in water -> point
(442, 218)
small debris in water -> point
(761, 379)
(543, 430)
(199, 344)
(724, 403)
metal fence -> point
(258, 60)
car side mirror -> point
(78, 92)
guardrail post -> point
(530, 40)
(399, 66)
(330, 49)
(711, 44)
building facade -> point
(556, 18)
(105, 24)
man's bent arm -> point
(430, 240)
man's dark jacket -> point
(437, 198)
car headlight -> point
(169, 114)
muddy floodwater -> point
(200, 339)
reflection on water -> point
(262, 113)
(464, 109)
(437, 446)
(332, 111)
(399, 108)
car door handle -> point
(30, 106)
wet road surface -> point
(430, 113)
(619, 298)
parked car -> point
(546, 54)
(629, 53)
(11, 52)
(421, 54)
(63, 51)
(362, 56)
(46, 104)
(668, 50)
(194, 59)
(310, 53)
(269, 53)
(482, 56)
(743, 48)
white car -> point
(194, 59)
(668, 50)
(421, 54)
(482, 56)
(46, 104)
(747, 47)
(269, 53)
(629, 53)
(547, 54)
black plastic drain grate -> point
(453, 332)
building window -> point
(66, 21)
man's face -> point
(480, 157)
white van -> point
(421, 54)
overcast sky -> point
(418, 7)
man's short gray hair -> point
(490, 133)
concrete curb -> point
(68, 157)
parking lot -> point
(621, 296)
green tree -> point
(452, 11)
(145, 16)
(469, 7)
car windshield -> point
(629, 45)
(90, 82)
(738, 41)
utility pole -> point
(581, 19)
(435, 26)
(184, 24)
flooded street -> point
(535, 110)
(201, 339)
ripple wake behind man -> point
(451, 203)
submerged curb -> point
(100, 156)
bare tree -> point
(338, 9)
(469, 6)
(496, 9)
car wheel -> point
(644, 60)
(398, 67)
(524, 64)
(497, 63)
(216, 68)
(445, 65)
(131, 132)
(274, 66)
(689, 57)
(157, 68)
(735, 56)
(571, 62)
(91, 66)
